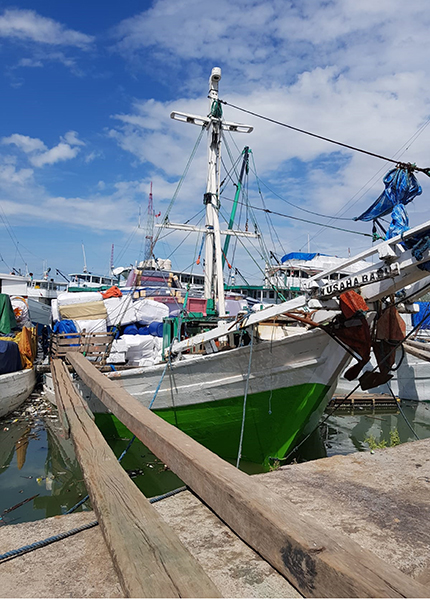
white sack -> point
(120, 310)
(91, 326)
(147, 311)
(66, 298)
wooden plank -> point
(150, 559)
(418, 353)
(318, 562)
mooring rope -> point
(64, 535)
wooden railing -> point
(95, 346)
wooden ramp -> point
(149, 557)
(317, 561)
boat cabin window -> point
(95, 279)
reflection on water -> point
(345, 432)
(35, 459)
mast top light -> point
(216, 74)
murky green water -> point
(37, 463)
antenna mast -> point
(85, 259)
(149, 237)
(111, 259)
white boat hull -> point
(15, 388)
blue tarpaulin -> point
(299, 256)
(399, 222)
(424, 312)
(401, 187)
(65, 326)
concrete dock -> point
(380, 500)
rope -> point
(239, 454)
(181, 180)
(159, 384)
(304, 220)
(408, 165)
(402, 413)
(73, 531)
(48, 541)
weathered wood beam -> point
(317, 561)
(149, 557)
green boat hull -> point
(274, 422)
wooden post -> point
(149, 557)
(317, 561)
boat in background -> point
(28, 297)
(287, 279)
(18, 349)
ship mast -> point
(214, 282)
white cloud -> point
(58, 153)
(10, 175)
(93, 156)
(25, 143)
(68, 148)
(352, 71)
(27, 25)
(71, 138)
(30, 63)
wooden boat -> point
(244, 394)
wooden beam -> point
(149, 557)
(423, 354)
(317, 561)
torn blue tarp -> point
(399, 222)
(401, 187)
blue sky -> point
(87, 92)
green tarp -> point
(7, 317)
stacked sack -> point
(86, 309)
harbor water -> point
(40, 476)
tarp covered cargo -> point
(7, 315)
(84, 311)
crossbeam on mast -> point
(195, 229)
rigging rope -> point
(239, 454)
(305, 220)
(426, 171)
